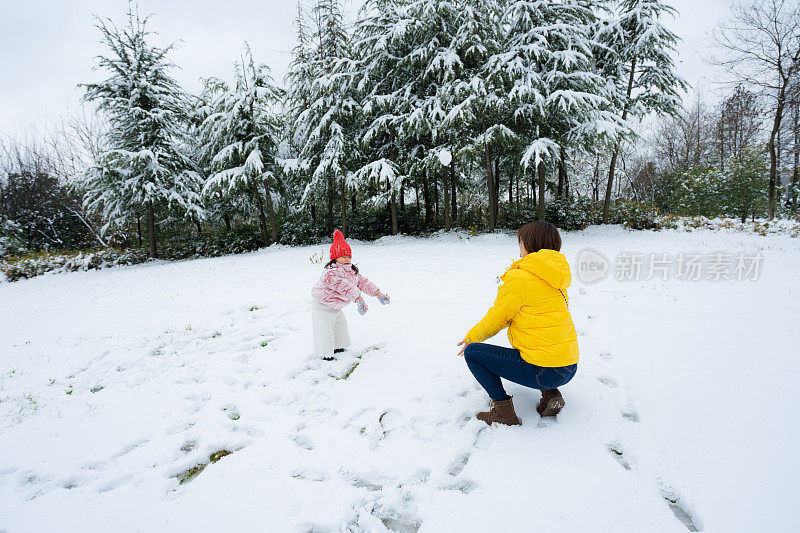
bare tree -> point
(760, 47)
(685, 139)
(738, 124)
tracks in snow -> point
(603, 368)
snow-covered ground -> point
(115, 385)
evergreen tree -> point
(241, 137)
(383, 79)
(746, 184)
(146, 164)
(636, 57)
(299, 81)
(325, 127)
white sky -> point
(48, 47)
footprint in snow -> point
(232, 412)
(309, 475)
(459, 464)
(673, 501)
(608, 382)
(616, 451)
(630, 413)
(302, 441)
(681, 512)
(462, 485)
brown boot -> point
(501, 412)
(551, 403)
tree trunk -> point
(139, 226)
(446, 191)
(403, 196)
(453, 211)
(271, 211)
(393, 209)
(261, 217)
(542, 173)
(343, 192)
(227, 220)
(427, 198)
(199, 228)
(609, 186)
(151, 229)
(562, 172)
(511, 186)
(796, 168)
(313, 214)
(490, 182)
(416, 196)
(330, 205)
(436, 197)
(773, 157)
(721, 133)
(596, 180)
(496, 189)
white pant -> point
(329, 327)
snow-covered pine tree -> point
(636, 57)
(218, 208)
(241, 137)
(375, 79)
(326, 127)
(557, 98)
(412, 57)
(477, 101)
(146, 164)
(299, 81)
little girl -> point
(338, 286)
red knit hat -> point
(339, 248)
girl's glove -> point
(362, 307)
(384, 299)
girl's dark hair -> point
(539, 235)
(333, 262)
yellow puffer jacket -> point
(532, 302)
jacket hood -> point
(549, 265)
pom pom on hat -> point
(339, 248)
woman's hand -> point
(383, 298)
(464, 344)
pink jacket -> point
(340, 285)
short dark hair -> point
(539, 235)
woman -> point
(532, 303)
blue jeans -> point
(489, 363)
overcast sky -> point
(48, 47)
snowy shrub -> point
(187, 245)
(11, 242)
(34, 264)
(761, 226)
(669, 221)
(571, 213)
(635, 215)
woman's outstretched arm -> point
(506, 306)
